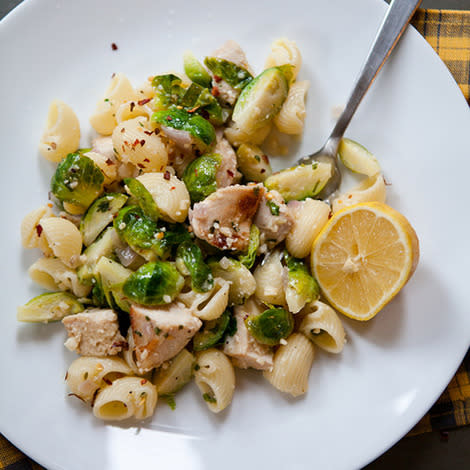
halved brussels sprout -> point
(98, 297)
(234, 75)
(77, 180)
(249, 258)
(201, 131)
(301, 181)
(99, 215)
(154, 283)
(261, 100)
(178, 373)
(168, 90)
(201, 275)
(200, 176)
(195, 70)
(211, 333)
(270, 326)
(200, 100)
(52, 306)
(253, 163)
(302, 288)
(143, 198)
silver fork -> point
(393, 25)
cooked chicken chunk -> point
(227, 173)
(224, 218)
(273, 220)
(160, 333)
(242, 347)
(94, 333)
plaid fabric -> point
(448, 32)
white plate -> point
(392, 369)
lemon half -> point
(362, 258)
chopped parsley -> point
(273, 207)
(209, 398)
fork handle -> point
(393, 25)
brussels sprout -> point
(99, 215)
(249, 258)
(178, 373)
(154, 284)
(212, 333)
(201, 275)
(253, 163)
(112, 276)
(77, 180)
(200, 100)
(234, 75)
(143, 198)
(168, 90)
(270, 326)
(202, 132)
(261, 100)
(195, 70)
(301, 288)
(104, 246)
(301, 181)
(98, 297)
(200, 176)
(243, 284)
(52, 306)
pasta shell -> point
(322, 325)
(107, 166)
(284, 52)
(292, 364)
(131, 110)
(30, 226)
(290, 119)
(119, 91)
(215, 378)
(62, 134)
(64, 239)
(135, 143)
(269, 276)
(170, 195)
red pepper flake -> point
(172, 188)
(53, 145)
(230, 173)
(126, 142)
(143, 381)
(123, 130)
(167, 175)
(146, 160)
(113, 75)
(195, 172)
(350, 196)
(140, 165)
(39, 229)
(142, 142)
(144, 101)
(265, 158)
(169, 118)
(124, 148)
(148, 132)
(132, 106)
(136, 142)
(157, 131)
(114, 46)
(217, 78)
(263, 170)
(215, 91)
(387, 183)
(109, 162)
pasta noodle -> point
(62, 134)
(208, 305)
(107, 166)
(119, 91)
(53, 275)
(131, 110)
(64, 239)
(290, 119)
(215, 378)
(31, 228)
(292, 364)
(322, 325)
(284, 52)
(269, 276)
(124, 398)
(135, 143)
(88, 374)
(370, 189)
(309, 217)
(170, 195)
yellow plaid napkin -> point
(448, 32)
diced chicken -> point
(232, 52)
(94, 333)
(160, 333)
(242, 347)
(273, 220)
(227, 173)
(224, 218)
